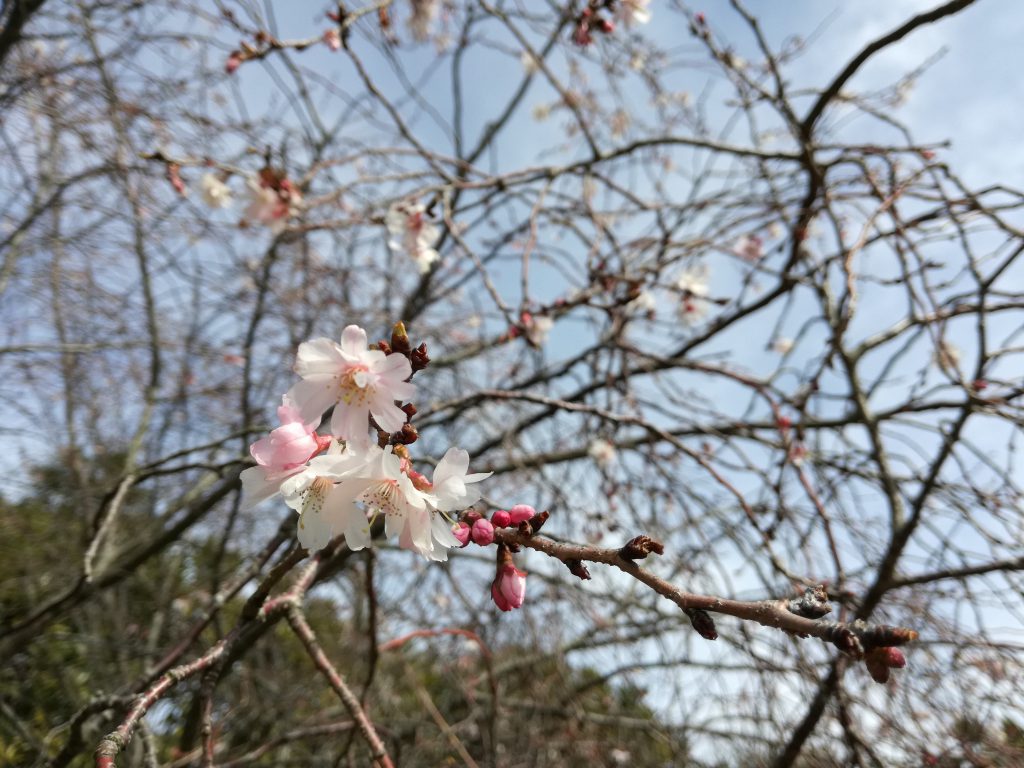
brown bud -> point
(703, 623)
(537, 521)
(400, 339)
(419, 358)
(877, 669)
(578, 569)
(881, 635)
(845, 639)
(409, 409)
(640, 547)
(384, 347)
(408, 435)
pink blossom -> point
(508, 590)
(290, 445)
(333, 39)
(461, 532)
(483, 532)
(501, 519)
(283, 453)
(749, 247)
(233, 63)
(520, 513)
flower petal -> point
(353, 341)
(318, 357)
(313, 398)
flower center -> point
(355, 387)
(314, 496)
(384, 497)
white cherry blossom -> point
(450, 481)
(359, 382)
(412, 234)
(215, 192)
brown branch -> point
(853, 638)
(305, 633)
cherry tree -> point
(500, 383)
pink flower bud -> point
(520, 513)
(333, 39)
(461, 531)
(483, 532)
(234, 62)
(508, 590)
(501, 519)
(894, 658)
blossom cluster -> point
(341, 482)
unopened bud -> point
(501, 519)
(482, 532)
(521, 513)
(408, 435)
(703, 623)
(419, 358)
(400, 339)
(461, 532)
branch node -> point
(640, 547)
(812, 605)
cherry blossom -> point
(215, 192)
(383, 487)
(332, 39)
(412, 234)
(271, 206)
(359, 382)
(422, 19)
(537, 328)
(315, 493)
(693, 284)
(450, 480)
(632, 12)
(749, 247)
(281, 454)
(602, 452)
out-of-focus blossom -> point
(537, 328)
(424, 12)
(412, 233)
(782, 345)
(215, 192)
(632, 12)
(332, 38)
(271, 203)
(529, 62)
(749, 247)
(603, 453)
(645, 302)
